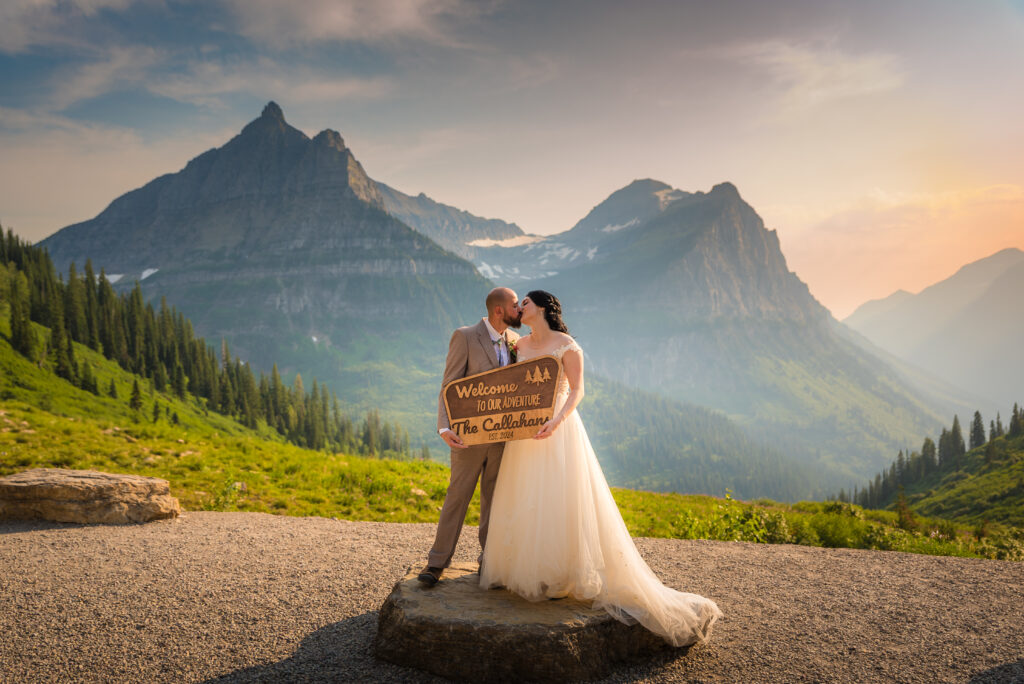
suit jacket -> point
(470, 351)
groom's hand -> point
(452, 440)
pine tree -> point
(23, 337)
(928, 458)
(156, 411)
(945, 450)
(74, 307)
(999, 425)
(112, 390)
(87, 379)
(977, 430)
(957, 441)
(135, 403)
(179, 383)
(1015, 426)
(62, 351)
(91, 307)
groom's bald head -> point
(500, 297)
(503, 306)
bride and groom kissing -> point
(549, 527)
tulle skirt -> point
(556, 531)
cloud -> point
(810, 75)
(282, 24)
(205, 83)
(117, 68)
(28, 23)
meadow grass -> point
(215, 463)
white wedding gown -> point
(556, 531)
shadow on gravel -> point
(340, 652)
(1007, 672)
(343, 652)
(15, 526)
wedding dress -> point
(556, 531)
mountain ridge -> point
(961, 329)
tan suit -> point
(470, 351)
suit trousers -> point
(480, 462)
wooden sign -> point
(503, 404)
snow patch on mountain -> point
(517, 241)
(668, 196)
(628, 224)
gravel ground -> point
(241, 597)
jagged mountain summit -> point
(268, 187)
(602, 231)
(281, 244)
(687, 294)
(965, 329)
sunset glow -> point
(880, 140)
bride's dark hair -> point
(552, 309)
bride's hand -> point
(546, 430)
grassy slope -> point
(989, 485)
(214, 463)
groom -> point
(472, 349)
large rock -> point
(460, 631)
(85, 496)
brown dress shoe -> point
(429, 576)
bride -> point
(555, 530)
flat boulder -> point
(85, 496)
(460, 631)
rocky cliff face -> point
(281, 244)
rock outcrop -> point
(85, 496)
(462, 632)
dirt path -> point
(253, 597)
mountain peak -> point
(725, 188)
(273, 111)
(646, 185)
(330, 138)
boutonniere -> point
(513, 351)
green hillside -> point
(987, 485)
(644, 441)
(216, 463)
(980, 484)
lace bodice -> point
(563, 383)
(571, 346)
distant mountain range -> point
(967, 329)
(283, 246)
(686, 294)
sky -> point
(881, 139)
